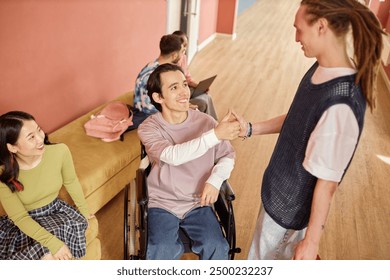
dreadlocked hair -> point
(342, 15)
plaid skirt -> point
(59, 218)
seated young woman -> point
(38, 224)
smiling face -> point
(306, 34)
(175, 95)
(30, 142)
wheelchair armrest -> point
(227, 191)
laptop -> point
(203, 86)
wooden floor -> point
(258, 74)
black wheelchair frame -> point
(136, 215)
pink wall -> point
(60, 59)
(388, 24)
(227, 14)
(208, 19)
(382, 9)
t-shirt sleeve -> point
(225, 159)
(332, 143)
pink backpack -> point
(110, 123)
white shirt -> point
(333, 141)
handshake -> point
(231, 126)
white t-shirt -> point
(333, 141)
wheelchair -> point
(136, 215)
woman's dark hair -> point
(154, 81)
(11, 124)
(367, 36)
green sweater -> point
(41, 186)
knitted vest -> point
(287, 189)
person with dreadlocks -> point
(319, 134)
(38, 224)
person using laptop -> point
(205, 97)
(170, 52)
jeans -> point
(201, 226)
(271, 241)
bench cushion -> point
(103, 168)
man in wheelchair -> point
(190, 158)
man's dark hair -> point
(181, 34)
(154, 81)
(169, 44)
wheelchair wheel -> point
(232, 239)
(130, 224)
